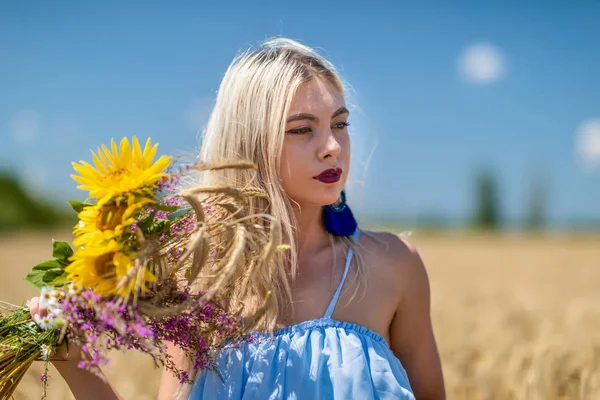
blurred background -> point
(476, 127)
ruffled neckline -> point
(325, 323)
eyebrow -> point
(310, 117)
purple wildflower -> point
(161, 215)
(174, 201)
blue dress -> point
(318, 359)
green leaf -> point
(151, 226)
(36, 276)
(169, 209)
(159, 226)
(47, 265)
(51, 277)
(144, 223)
(62, 252)
(78, 205)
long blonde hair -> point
(248, 122)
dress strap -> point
(336, 296)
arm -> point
(411, 333)
(170, 387)
(83, 384)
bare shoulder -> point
(396, 253)
(403, 278)
(410, 331)
(396, 276)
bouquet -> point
(151, 264)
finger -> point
(34, 306)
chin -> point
(330, 197)
(319, 196)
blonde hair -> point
(248, 123)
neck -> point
(311, 234)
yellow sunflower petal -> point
(108, 155)
(149, 276)
(120, 170)
(87, 171)
(101, 265)
(81, 168)
(137, 152)
(77, 178)
(161, 164)
(152, 154)
(104, 158)
(99, 166)
(113, 146)
(125, 155)
(108, 217)
(146, 153)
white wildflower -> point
(47, 297)
(59, 294)
(44, 322)
(56, 311)
(46, 351)
(75, 290)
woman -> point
(282, 106)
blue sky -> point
(436, 92)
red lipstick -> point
(331, 175)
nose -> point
(330, 146)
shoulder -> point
(393, 249)
(398, 255)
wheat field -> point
(515, 316)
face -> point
(316, 149)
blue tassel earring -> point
(338, 219)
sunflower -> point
(108, 218)
(102, 265)
(121, 170)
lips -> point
(331, 175)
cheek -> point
(294, 167)
(346, 150)
(287, 164)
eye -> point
(299, 131)
(342, 125)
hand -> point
(83, 384)
(73, 354)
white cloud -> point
(24, 126)
(197, 113)
(587, 143)
(481, 63)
